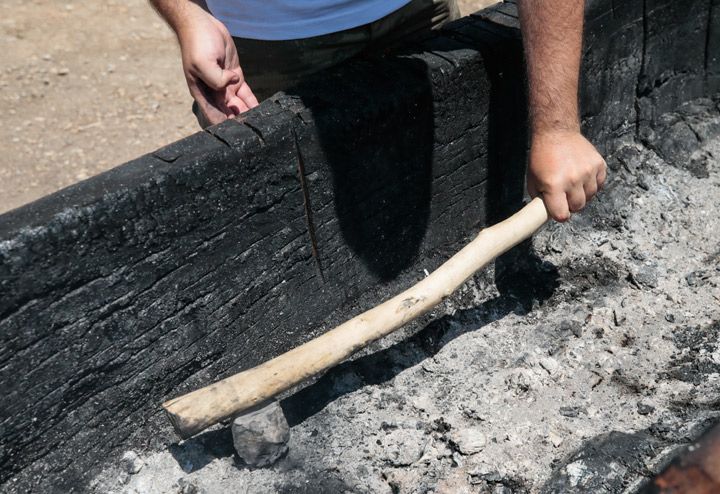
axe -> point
(195, 411)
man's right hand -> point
(211, 65)
(566, 170)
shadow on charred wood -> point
(381, 178)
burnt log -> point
(236, 244)
(695, 471)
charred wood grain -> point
(196, 261)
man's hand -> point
(210, 60)
(566, 170)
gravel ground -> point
(91, 86)
(597, 360)
(85, 86)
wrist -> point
(554, 135)
(554, 115)
(184, 18)
(555, 126)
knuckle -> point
(572, 179)
(550, 186)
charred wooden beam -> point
(696, 471)
(197, 261)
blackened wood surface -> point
(643, 58)
(195, 262)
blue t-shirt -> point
(296, 19)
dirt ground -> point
(85, 86)
(583, 373)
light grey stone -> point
(646, 276)
(261, 435)
(550, 365)
(469, 440)
(402, 447)
(555, 438)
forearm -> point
(552, 36)
(178, 13)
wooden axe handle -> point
(195, 411)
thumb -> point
(216, 77)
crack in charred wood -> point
(307, 206)
(256, 131)
(219, 138)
